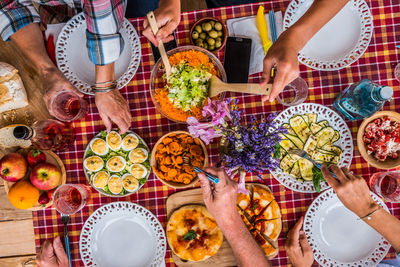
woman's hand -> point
(52, 254)
(352, 190)
(168, 16)
(114, 108)
(297, 247)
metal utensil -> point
(303, 154)
(273, 26)
(65, 220)
(211, 178)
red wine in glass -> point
(68, 106)
(387, 185)
(70, 198)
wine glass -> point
(294, 93)
(387, 185)
(70, 198)
(68, 106)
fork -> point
(273, 25)
(65, 220)
(211, 178)
(303, 154)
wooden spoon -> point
(217, 87)
(154, 28)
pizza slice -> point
(269, 250)
(261, 199)
(269, 228)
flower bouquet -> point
(246, 147)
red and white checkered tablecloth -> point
(377, 64)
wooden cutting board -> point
(224, 256)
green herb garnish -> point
(277, 152)
(317, 178)
(190, 235)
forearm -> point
(247, 251)
(105, 73)
(387, 225)
(175, 4)
(29, 40)
(320, 12)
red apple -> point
(13, 167)
(45, 176)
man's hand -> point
(352, 190)
(53, 83)
(220, 198)
(283, 56)
(114, 108)
(168, 16)
(297, 247)
(52, 254)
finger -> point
(205, 187)
(339, 174)
(305, 245)
(106, 121)
(121, 123)
(293, 235)
(168, 38)
(278, 85)
(47, 250)
(165, 30)
(150, 36)
(62, 257)
(348, 173)
(329, 178)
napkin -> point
(247, 27)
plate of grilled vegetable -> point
(314, 135)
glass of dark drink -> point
(70, 198)
(387, 185)
(68, 106)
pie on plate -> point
(262, 216)
(193, 234)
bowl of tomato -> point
(378, 140)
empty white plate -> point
(73, 60)
(122, 234)
(341, 41)
(338, 237)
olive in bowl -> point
(208, 33)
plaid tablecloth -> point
(377, 64)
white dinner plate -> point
(338, 237)
(341, 41)
(73, 59)
(122, 234)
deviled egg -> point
(130, 183)
(99, 146)
(93, 163)
(116, 164)
(115, 184)
(138, 171)
(100, 179)
(138, 155)
(114, 140)
(130, 142)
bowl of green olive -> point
(209, 33)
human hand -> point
(114, 108)
(52, 254)
(220, 198)
(53, 83)
(168, 17)
(297, 247)
(352, 190)
(283, 56)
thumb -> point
(60, 252)
(205, 187)
(47, 250)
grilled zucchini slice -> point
(290, 130)
(305, 167)
(312, 118)
(325, 136)
(311, 144)
(287, 162)
(323, 123)
(335, 137)
(300, 127)
(318, 156)
(297, 142)
(295, 171)
(315, 128)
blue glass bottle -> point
(361, 100)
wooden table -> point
(17, 242)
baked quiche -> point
(262, 216)
(193, 234)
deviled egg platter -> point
(117, 165)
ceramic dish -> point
(122, 234)
(388, 163)
(122, 157)
(73, 60)
(345, 142)
(153, 161)
(207, 19)
(341, 41)
(157, 81)
(338, 237)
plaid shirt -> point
(103, 18)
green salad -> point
(188, 86)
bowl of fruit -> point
(378, 140)
(209, 33)
(31, 176)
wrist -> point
(370, 207)
(229, 221)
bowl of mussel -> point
(209, 33)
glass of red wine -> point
(68, 106)
(70, 198)
(387, 185)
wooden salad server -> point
(217, 87)
(154, 28)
